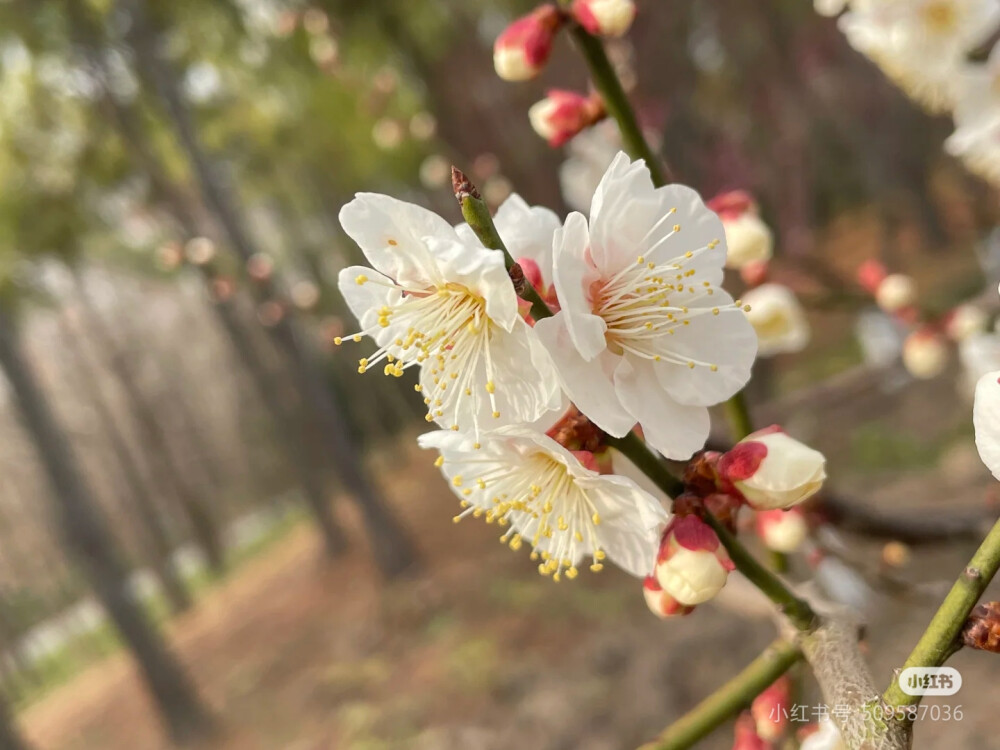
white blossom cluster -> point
(938, 52)
(642, 335)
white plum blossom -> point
(644, 333)
(976, 139)
(773, 470)
(778, 318)
(921, 44)
(545, 497)
(447, 305)
(986, 418)
(748, 239)
(590, 155)
(965, 321)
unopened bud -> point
(604, 17)
(897, 291)
(199, 251)
(982, 629)
(748, 238)
(965, 321)
(754, 273)
(745, 736)
(782, 530)
(562, 115)
(925, 354)
(870, 275)
(169, 256)
(260, 267)
(691, 566)
(660, 603)
(772, 470)
(778, 319)
(770, 709)
(522, 49)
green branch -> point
(940, 640)
(477, 215)
(725, 702)
(616, 103)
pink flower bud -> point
(925, 354)
(523, 48)
(564, 114)
(748, 239)
(745, 735)
(660, 603)
(770, 709)
(604, 17)
(896, 292)
(732, 204)
(772, 470)
(870, 274)
(782, 530)
(754, 273)
(692, 566)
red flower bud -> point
(564, 114)
(523, 48)
(604, 17)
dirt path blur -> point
(476, 652)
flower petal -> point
(527, 231)
(675, 430)
(389, 233)
(480, 270)
(573, 274)
(588, 384)
(986, 417)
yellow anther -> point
(746, 308)
(596, 519)
(677, 227)
(457, 480)
(572, 573)
(715, 311)
(599, 554)
(496, 415)
(640, 260)
(690, 365)
(393, 243)
(491, 387)
(337, 341)
(418, 387)
(360, 279)
(456, 519)
(713, 368)
(597, 567)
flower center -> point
(543, 504)
(645, 303)
(444, 328)
(940, 17)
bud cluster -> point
(522, 50)
(770, 472)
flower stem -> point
(616, 103)
(940, 640)
(797, 610)
(738, 414)
(773, 662)
(477, 215)
(647, 462)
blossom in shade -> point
(986, 418)
(896, 292)
(778, 318)
(523, 48)
(589, 155)
(921, 44)
(976, 139)
(612, 18)
(925, 354)
(782, 530)
(551, 499)
(561, 115)
(660, 603)
(644, 332)
(748, 238)
(978, 354)
(773, 470)
(692, 566)
(448, 306)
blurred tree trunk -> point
(391, 547)
(167, 469)
(10, 738)
(158, 543)
(87, 536)
(185, 212)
